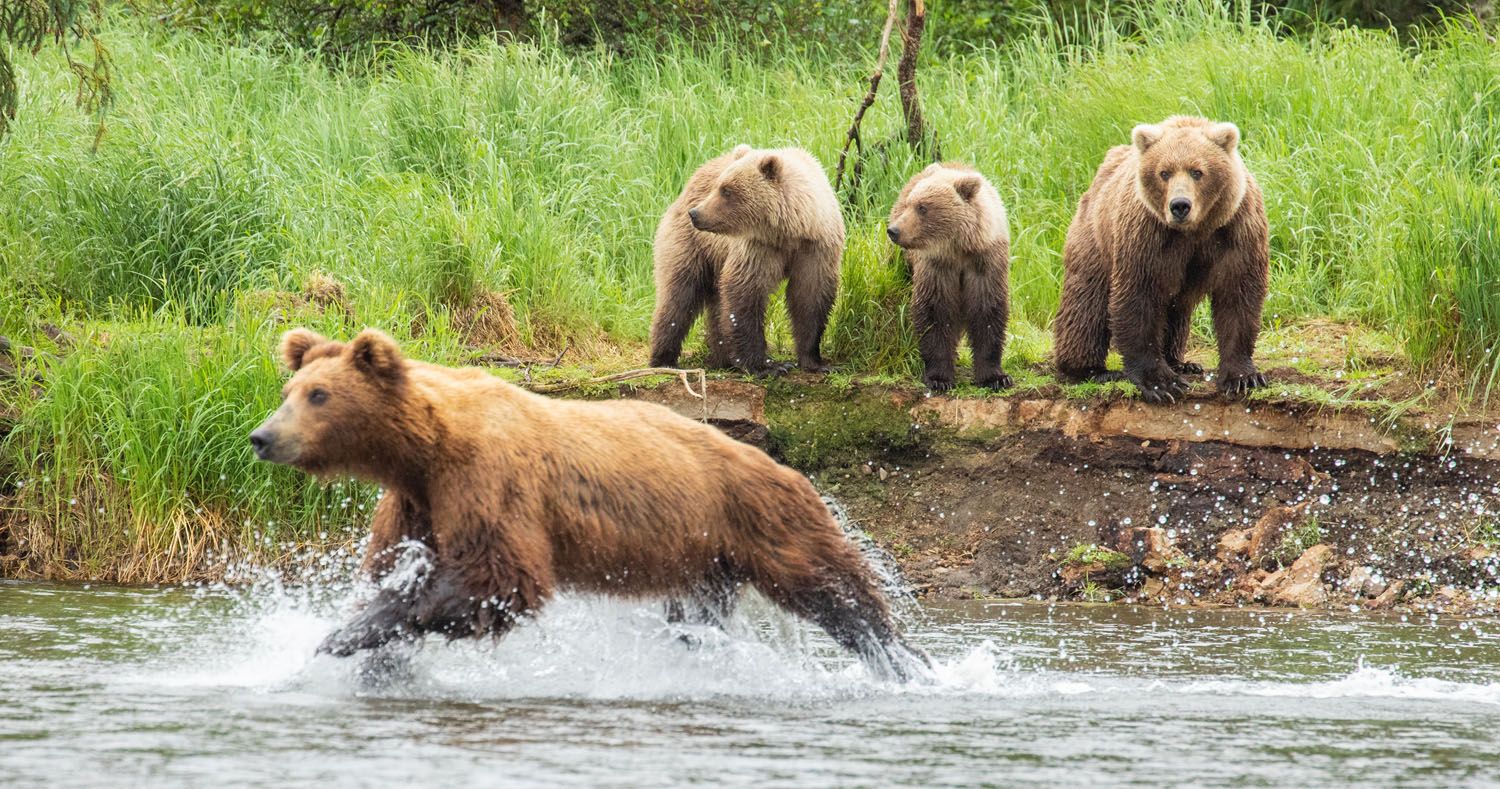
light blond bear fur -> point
(517, 495)
(952, 225)
(745, 221)
(1169, 219)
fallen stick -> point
(645, 372)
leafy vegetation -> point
(523, 181)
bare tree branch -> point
(852, 138)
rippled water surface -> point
(112, 686)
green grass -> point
(232, 173)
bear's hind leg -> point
(853, 614)
(987, 307)
(1080, 332)
(810, 292)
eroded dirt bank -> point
(1206, 502)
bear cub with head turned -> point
(746, 221)
(952, 225)
(1169, 219)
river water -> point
(193, 687)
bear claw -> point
(1186, 368)
(998, 383)
(938, 385)
(1240, 384)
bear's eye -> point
(317, 396)
(726, 193)
(1196, 173)
(1166, 175)
(921, 209)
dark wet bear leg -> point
(987, 307)
(745, 287)
(685, 294)
(810, 292)
(854, 615)
(710, 602)
(937, 316)
(1081, 331)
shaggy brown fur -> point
(952, 225)
(1168, 220)
(517, 495)
(744, 222)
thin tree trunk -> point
(906, 78)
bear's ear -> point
(375, 354)
(1224, 135)
(770, 167)
(967, 187)
(295, 344)
(740, 151)
(1146, 135)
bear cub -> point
(744, 222)
(1169, 219)
(952, 226)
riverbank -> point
(1359, 488)
(494, 204)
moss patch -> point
(814, 428)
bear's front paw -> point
(1186, 368)
(938, 383)
(996, 383)
(1160, 385)
(356, 637)
(1240, 383)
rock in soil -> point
(1300, 585)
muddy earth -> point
(1039, 514)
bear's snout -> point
(895, 234)
(696, 218)
(261, 440)
(1180, 208)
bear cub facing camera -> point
(952, 226)
(1171, 218)
(744, 222)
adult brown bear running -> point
(518, 495)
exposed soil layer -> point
(1014, 517)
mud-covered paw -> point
(996, 383)
(1240, 383)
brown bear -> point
(952, 225)
(1168, 220)
(744, 222)
(517, 495)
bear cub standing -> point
(1169, 219)
(516, 495)
(745, 221)
(952, 225)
